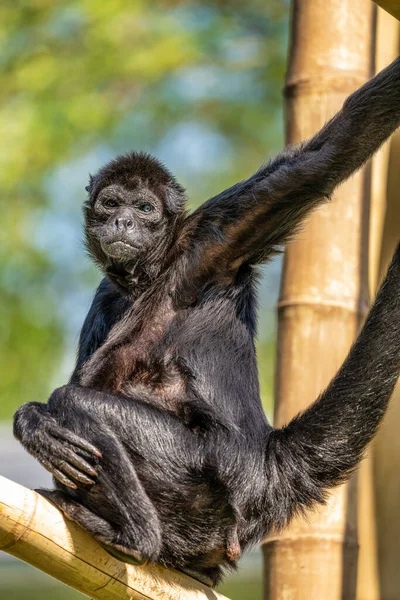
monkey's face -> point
(125, 224)
(133, 212)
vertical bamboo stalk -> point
(368, 584)
(324, 294)
(387, 444)
(392, 7)
(387, 48)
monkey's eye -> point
(146, 208)
(110, 203)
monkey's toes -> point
(126, 555)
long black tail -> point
(321, 447)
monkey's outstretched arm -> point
(320, 447)
(249, 221)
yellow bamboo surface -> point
(35, 531)
(387, 443)
(391, 6)
(324, 293)
(369, 578)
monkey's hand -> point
(59, 450)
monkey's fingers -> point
(57, 474)
(67, 454)
(75, 440)
(69, 471)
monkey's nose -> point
(123, 223)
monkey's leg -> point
(128, 530)
(116, 510)
(101, 529)
(166, 455)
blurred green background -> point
(199, 84)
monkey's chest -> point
(147, 369)
(157, 385)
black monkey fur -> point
(159, 444)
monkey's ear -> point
(175, 199)
(88, 188)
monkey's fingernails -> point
(75, 474)
(84, 466)
(88, 447)
(77, 461)
(84, 445)
(65, 481)
(83, 479)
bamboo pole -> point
(324, 293)
(368, 581)
(391, 6)
(35, 531)
(387, 49)
(387, 444)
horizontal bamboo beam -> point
(35, 531)
(391, 6)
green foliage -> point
(89, 74)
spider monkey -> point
(159, 445)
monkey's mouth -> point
(120, 249)
(120, 243)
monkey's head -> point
(133, 213)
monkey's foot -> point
(201, 577)
(100, 529)
(124, 554)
